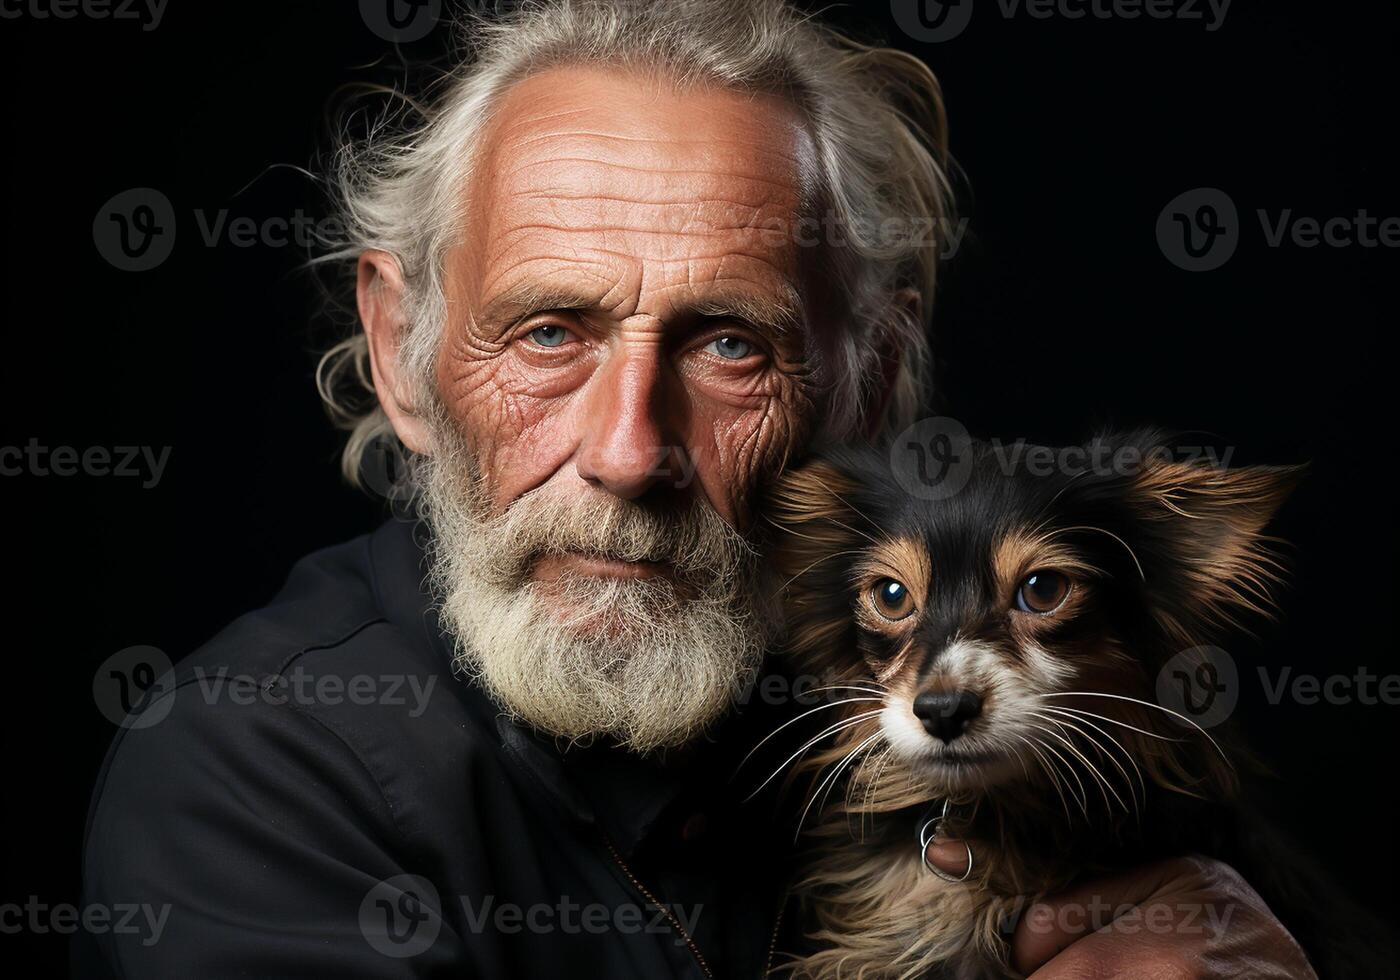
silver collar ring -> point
(927, 831)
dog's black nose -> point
(946, 714)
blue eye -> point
(551, 335)
(891, 599)
(731, 348)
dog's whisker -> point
(852, 687)
(1074, 725)
(1115, 721)
(1083, 798)
(1102, 779)
(857, 777)
(1045, 766)
(1147, 704)
(886, 755)
(1049, 769)
(1060, 492)
(850, 757)
(1098, 777)
(829, 780)
(1022, 760)
(857, 510)
(1141, 783)
(826, 557)
(835, 769)
(793, 721)
(838, 727)
(1104, 751)
(1090, 527)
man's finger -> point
(1107, 954)
(1052, 924)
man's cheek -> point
(471, 375)
(738, 452)
(526, 460)
(516, 437)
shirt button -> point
(694, 827)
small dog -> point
(997, 654)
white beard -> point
(648, 662)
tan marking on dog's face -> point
(903, 560)
(1014, 555)
(1019, 554)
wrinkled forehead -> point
(614, 118)
(618, 181)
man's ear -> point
(889, 358)
(379, 296)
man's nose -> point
(946, 714)
(627, 440)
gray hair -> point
(875, 116)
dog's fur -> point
(1158, 561)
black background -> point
(1060, 313)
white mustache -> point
(692, 538)
(649, 662)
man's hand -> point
(1185, 918)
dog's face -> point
(1013, 630)
(968, 618)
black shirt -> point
(321, 795)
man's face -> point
(621, 321)
(624, 360)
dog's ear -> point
(816, 492)
(816, 535)
(810, 507)
(1197, 533)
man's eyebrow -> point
(778, 315)
(520, 301)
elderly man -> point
(631, 262)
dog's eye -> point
(891, 599)
(1042, 592)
